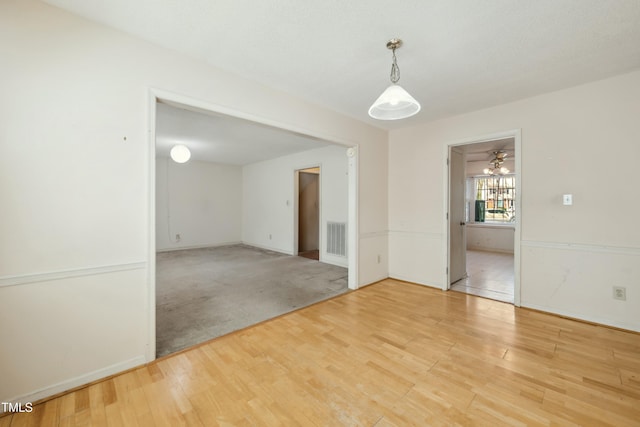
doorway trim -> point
(153, 96)
(516, 134)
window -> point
(493, 198)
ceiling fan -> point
(496, 164)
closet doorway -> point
(309, 213)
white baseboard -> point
(181, 248)
(371, 281)
(413, 280)
(337, 261)
(587, 318)
(76, 381)
(486, 249)
(268, 248)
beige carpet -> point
(205, 293)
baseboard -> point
(182, 248)
(328, 260)
(78, 381)
(268, 248)
(412, 280)
(485, 249)
(634, 327)
(373, 283)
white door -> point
(457, 235)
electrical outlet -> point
(620, 292)
(269, 236)
(178, 237)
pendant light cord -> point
(395, 70)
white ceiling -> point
(479, 155)
(458, 55)
(223, 139)
(483, 151)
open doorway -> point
(483, 217)
(309, 213)
(229, 210)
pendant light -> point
(395, 103)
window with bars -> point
(492, 198)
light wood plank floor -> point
(390, 354)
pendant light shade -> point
(180, 153)
(394, 103)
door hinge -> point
(447, 215)
(447, 161)
(447, 269)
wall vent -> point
(337, 238)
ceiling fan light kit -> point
(394, 103)
(496, 163)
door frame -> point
(516, 134)
(296, 209)
(155, 95)
(453, 148)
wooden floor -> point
(391, 354)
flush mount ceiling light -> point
(395, 103)
(180, 153)
(496, 163)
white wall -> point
(571, 255)
(75, 174)
(201, 201)
(495, 238)
(269, 199)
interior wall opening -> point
(221, 221)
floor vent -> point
(337, 238)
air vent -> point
(337, 238)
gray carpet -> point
(205, 293)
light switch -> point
(567, 199)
